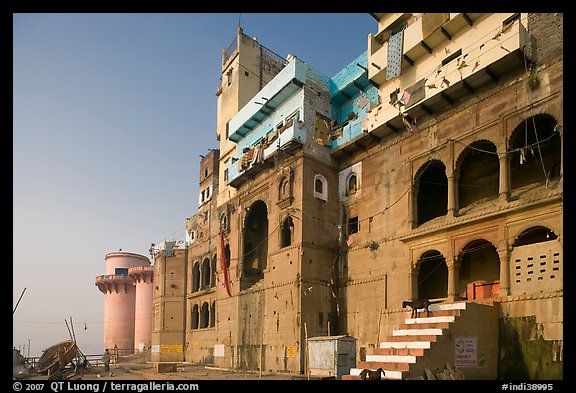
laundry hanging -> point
(224, 268)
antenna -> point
(239, 19)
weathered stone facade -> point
(458, 196)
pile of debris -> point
(449, 373)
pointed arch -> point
(430, 192)
(477, 170)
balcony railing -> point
(471, 60)
(253, 161)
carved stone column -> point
(504, 256)
(504, 184)
(453, 279)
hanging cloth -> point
(395, 52)
(224, 268)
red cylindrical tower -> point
(143, 278)
(120, 299)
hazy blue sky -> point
(111, 112)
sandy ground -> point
(145, 371)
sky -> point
(111, 112)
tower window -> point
(229, 75)
(320, 188)
(353, 225)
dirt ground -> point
(145, 371)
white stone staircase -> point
(401, 353)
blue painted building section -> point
(350, 89)
(282, 98)
(351, 96)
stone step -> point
(412, 338)
(430, 325)
(417, 332)
(426, 320)
(399, 351)
(448, 306)
(391, 358)
(392, 366)
(405, 344)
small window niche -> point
(320, 188)
(285, 187)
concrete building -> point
(127, 289)
(431, 167)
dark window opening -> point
(533, 235)
(318, 186)
(206, 274)
(431, 192)
(121, 271)
(479, 171)
(432, 276)
(204, 315)
(535, 147)
(227, 255)
(196, 277)
(287, 232)
(353, 225)
(194, 317)
(213, 314)
(213, 271)
(352, 184)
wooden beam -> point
(467, 18)
(446, 34)
(446, 98)
(425, 46)
(426, 109)
(408, 59)
(491, 74)
(468, 87)
(391, 126)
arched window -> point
(224, 222)
(320, 188)
(287, 232)
(205, 274)
(196, 277)
(213, 314)
(227, 254)
(194, 317)
(352, 183)
(430, 180)
(284, 191)
(204, 315)
(213, 271)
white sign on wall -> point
(466, 351)
(155, 348)
(219, 350)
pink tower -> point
(143, 278)
(119, 291)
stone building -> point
(430, 167)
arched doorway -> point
(430, 181)
(479, 274)
(255, 245)
(432, 276)
(478, 173)
(535, 151)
